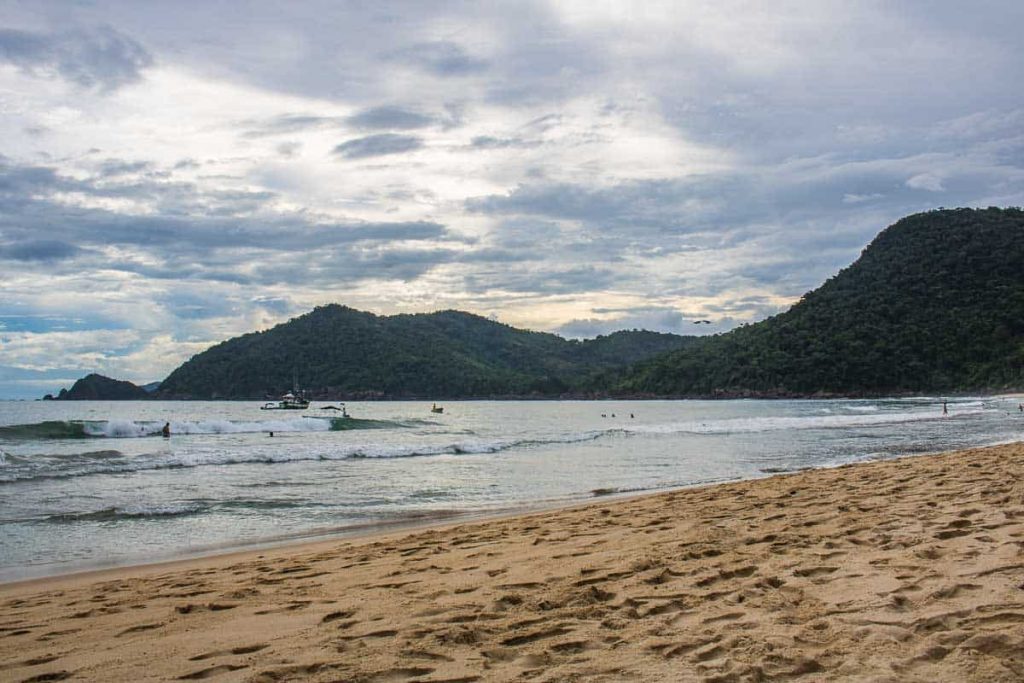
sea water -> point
(90, 484)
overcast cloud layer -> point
(173, 174)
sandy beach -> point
(909, 570)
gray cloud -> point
(285, 124)
(491, 142)
(38, 250)
(216, 235)
(275, 304)
(289, 149)
(643, 202)
(443, 58)
(102, 58)
(799, 213)
(541, 278)
(389, 118)
(118, 167)
(378, 145)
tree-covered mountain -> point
(339, 352)
(934, 304)
(99, 388)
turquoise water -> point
(86, 484)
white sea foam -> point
(741, 425)
(124, 429)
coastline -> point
(595, 396)
(908, 568)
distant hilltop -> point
(339, 352)
(99, 388)
(934, 304)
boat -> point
(341, 409)
(287, 402)
(436, 409)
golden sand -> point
(907, 570)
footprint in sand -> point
(334, 616)
(244, 650)
(211, 672)
(813, 572)
(139, 628)
(211, 606)
(54, 676)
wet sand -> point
(908, 570)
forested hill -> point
(99, 388)
(339, 352)
(934, 304)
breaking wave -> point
(746, 425)
(132, 429)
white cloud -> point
(926, 181)
(851, 198)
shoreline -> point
(300, 541)
(372, 530)
(907, 568)
(587, 397)
(424, 521)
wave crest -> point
(135, 429)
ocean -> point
(94, 484)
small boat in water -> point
(437, 409)
(341, 409)
(287, 402)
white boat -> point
(287, 402)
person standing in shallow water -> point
(166, 431)
(945, 411)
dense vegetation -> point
(934, 304)
(99, 388)
(338, 352)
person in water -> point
(945, 411)
(166, 431)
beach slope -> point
(909, 570)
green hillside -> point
(338, 352)
(934, 304)
(99, 388)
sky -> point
(175, 174)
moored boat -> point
(287, 402)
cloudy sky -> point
(174, 174)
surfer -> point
(166, 431)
